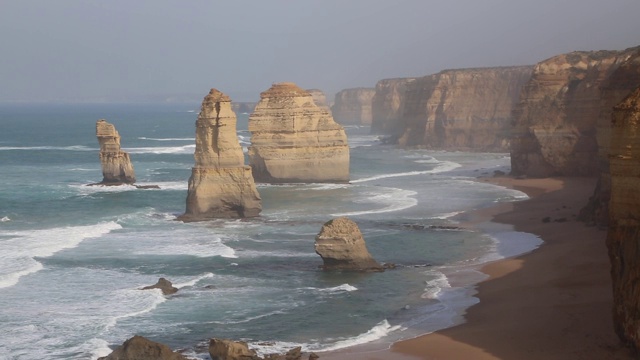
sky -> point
(71, 51)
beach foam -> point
(185, 149)
(395, 199)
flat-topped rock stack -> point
(342, 247)
(295, 141)
(221, 185)
(116, 164)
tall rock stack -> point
(221, 185)
(353, 106)
(294, 140)
(462, 109)
(116, 164)
(623, 238)
(342, 247)
(555, 121)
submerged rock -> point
(342, 247)
(163, 284)
(140, 348)
(294, 140)
(116, 164)
(221, 185)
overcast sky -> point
(134, 50)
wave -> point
(146, 300)
(22, 247)
(448, 215)
(396, 200)
(440, 168)
(379, 331)
(167, 139)
(185, 149)
(63, 148)
(5, 219)
(194, 281)
(434, 286)
(335, 289)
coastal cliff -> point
(116, 164)
(353, 106)
(220, 186)
(463, 109)
(319, 98)
(554, 130)
(623, 238)
(387, 106)
(294, 140)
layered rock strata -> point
(138, 348)
(353, 106)
(294, 140)
(116, 164)
(220, 186)
(463, 109)
(342, 247)
(387, 106)
(555, 121)
(623, 238)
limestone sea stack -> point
(353, 106)
(342, 247)
(623, 238)
(221, 185)
(116, 164)
(295, 141)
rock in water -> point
(342, 247)
(221, 185)
(140, 348)
(220, 349)
(294, 140)
(623, 238)
(163, 284)
(116, 165)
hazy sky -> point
(132, 50)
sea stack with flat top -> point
(342, 247)
(116, 164)
(221, 185)
(293, 140)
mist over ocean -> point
(73, 257)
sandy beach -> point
(552, 303)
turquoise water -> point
(72, 257)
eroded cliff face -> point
(387, 106)
(220, 186)
(623, 238)
(116, 164)
(353, 106)
(555, 121)
(319, 98)
(294, 140)
(463, 109)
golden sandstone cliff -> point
(353, 106)
(221, 185)
(464, 109)
(387, 106)
(294, 140)
(116, 164)
(623, 238)
(555, 121)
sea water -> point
(73, 257)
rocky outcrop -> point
(387, 106)
(220, 186)
(319, 98)
(463, 109)
(140, 348)
(221, 349)
(620, 84)
(243, 107)
(555, 121)
(116, 165)
(163, 284)
(342, 247)
(353, 106)
(623, 238)
(294, 140)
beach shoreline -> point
(550, 303)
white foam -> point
(396, 200)
(379, 331)
(65, 148)
(435, 286)
(185, 149)
(167, 139)
(19, 251)
(167, 185)
(440, 168)
(339, 289)
(448, 215)
(5, 219)
(84, 189)
(183, 241)
(145, 300)
(96, 348)
(194, 281)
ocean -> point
(73, 257)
